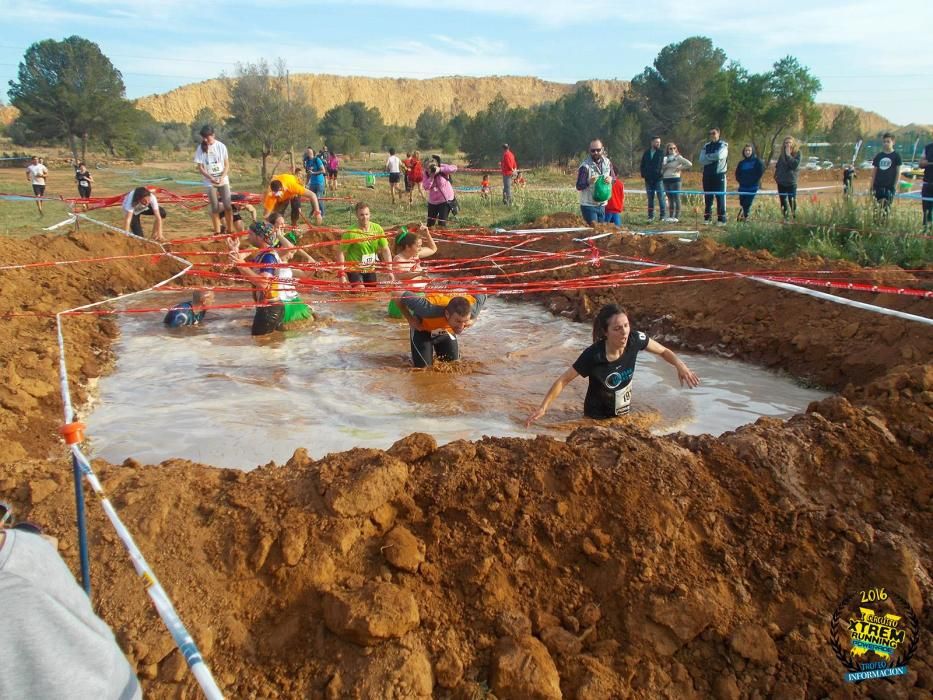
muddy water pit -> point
(216, 395)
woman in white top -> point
(406, 264)
(142, 202)
(671, 166)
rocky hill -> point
(871, 122)
(400, 100)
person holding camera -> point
(441, 197)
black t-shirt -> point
(82, 178)
(928, 171)
(889, 169)
(610, 390)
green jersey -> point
(364, 252)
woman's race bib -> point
(216, 168)
(84, 183)
(368, 259)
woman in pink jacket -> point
(441, 197)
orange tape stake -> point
(73, 432)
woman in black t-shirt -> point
(609, 364)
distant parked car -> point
(812, 165)
(865, 165)
(827, 165)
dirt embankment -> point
(615, 564)
(399, 100)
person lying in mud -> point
(274, 288)
(609, 364)
(190, 313)
(435, 321)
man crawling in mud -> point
(609, 364)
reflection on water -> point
(215, 394)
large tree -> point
(266, 115)
(68, 90)
(430, 127)
(670, 93)
(844, 132)
(348, 127)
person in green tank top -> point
(360, 248)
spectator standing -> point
(748, 174)
(393, 166)
(36, 172)
(785, 175)
(671, 167)
(594, 183)
(440, 192)
(85, 181)
(508, 165)
(714, 157)
(214, 164)
(651, 162)
(926, 162)
(616, 204)
(848, 176)
(887, 169)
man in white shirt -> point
(214, 165)
(142, 202)
(36, 173)
(394, 168)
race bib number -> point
(368, 259)
(623, 400)
(216, 168)
(84, 183)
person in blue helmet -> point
(189, 313)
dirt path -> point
(615, 564)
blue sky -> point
(874, 55)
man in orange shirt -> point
(286, 190)
(508, 166)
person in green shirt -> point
(360, 249)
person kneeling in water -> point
(189, 313)
(609, 364)
(273, 284)
(436, 320)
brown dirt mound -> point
(614, 564)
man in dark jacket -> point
(651, 162)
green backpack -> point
(602, 190)
(371, 181)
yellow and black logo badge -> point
(874, 634)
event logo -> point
(874, 633)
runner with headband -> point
(406, 264)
